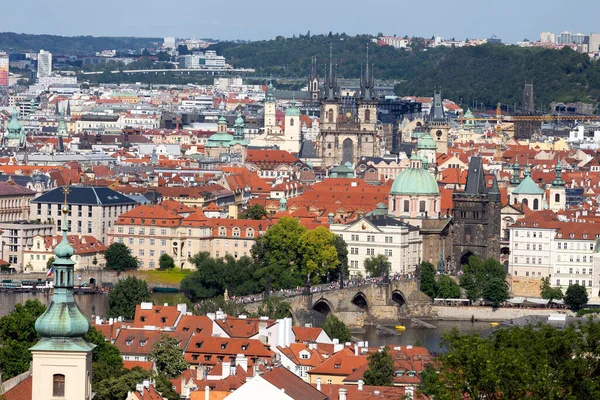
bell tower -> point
(62, 359)
(313, 80)
(557, 196)
(367, 100)
(438, 124)
(330, 106)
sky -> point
(510, 20)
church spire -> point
(62, 319)
(330, 84)
(558, 180)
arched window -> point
(62, 278)
(515, 202)
(328, 145)
(422, 206)
(291, 121)
(367, 115)
(406, 206)
(557, 198)
(468, 234)
(315, 86)
(526, 202)
(58, 385)
(536, 204)
(330, 115)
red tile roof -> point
(159, 316)
(292, 384)
(21, 391)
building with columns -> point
(62, 359)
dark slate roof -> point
(437, 108)
(475, 178)
(292, 94)
(385, 220)
(85, 195)
(307, 150)
(24, 180)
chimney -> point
(206, 393)
(409, 393)
(139, 387)
(319, 384)
(147, 384)
(360, 384)
(343, 392)
(226, 366)
(356, 349)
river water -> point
(96, 304)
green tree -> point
(166, 261)
(277, 254)
(548, 292)
(117, 387)
(218, 303)
(380, 369)
(106, 359)
(255, 211)
(341, 248)
(126, 294)
(495, 291)
(95, 261)
(274, 307)
(576, 297)
(336, 329)
(168, 356)
(50, 262)
(118, 257)
(319, 255)
(17, 334)
(377, 266)
(447, 288)
(531, 362)
(427, 273)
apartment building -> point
(376, 234)
(541, 246)
(14, 202)
(16, 237)
(89, 252)
(92, 210)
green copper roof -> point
(558, 180)
(239, 121)
(62, 126)
(14, 126)
(469, 114)
(62, 319)
(528, 186)
(380, 210)
(292, 110)
(426, 142)
(415, 181)
(269, 96)
(222, 120)
(222, 137)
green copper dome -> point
(220, 138)
(426, 142)
(415, 181)
(62, 326)
(222, 120)
(528, 186)
(239, 121)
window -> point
(370, 252)
(142, 241)
(58, 385)
(406, 206)
(89, 212)
(131, 231)
(355, 238)
(152, 241)
(388, 239)
(163, 232)
(152, 231)
(130, 240)
(422, 206)
(163, 242)
(235, 232)
(141, 252)
(151, 253)
(120, 229)
(388, 252)
(370, 238)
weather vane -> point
(66, 192)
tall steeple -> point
(62, 358)
(558, 180)
(367, 84)
(330, 83)
(516, 175)
(437, 110)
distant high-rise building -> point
(169, 43)
(565, 37)
(578, 38)
(594, 43)
(44, 64)
(547, 37)
(3, 69)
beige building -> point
(377, 234)
(92, 210)
(16, 237)
(87, 249)
(14, 202)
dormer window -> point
(245, 346)
(304, 356)
(572, 235)
(128, 342)
(143, 343)
(207, 358)
(143, 318)
(199, 345)
(163, 319)
(337, 366)
(195, 357)
(223, 346)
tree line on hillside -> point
(488, 73)
(71, 45)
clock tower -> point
(438, 124)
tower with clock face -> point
(438, 124)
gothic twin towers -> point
(348, 120)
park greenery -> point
(380, 368)
(17, 335)
(255, 211)
(336, 329)
(377, 266)
(531, 362)
(118, 258)
(124, 297)
(444, 288)
(166, 261)
(576, 297)
(169, 362)
(548, 292)
(484, 279)
(488, 74)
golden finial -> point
(66, 192)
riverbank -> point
(468, 313)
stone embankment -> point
(489, 314)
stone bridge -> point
(369, 304)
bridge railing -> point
(323, 288)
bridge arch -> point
(360, 300)
(398, 298)
(323, 306)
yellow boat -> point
(401, 328)
(494, 323)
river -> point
(96, 304)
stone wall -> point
(525, 287)
(489, 314)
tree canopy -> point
(576, 297)
(17, 335)
(380, 369)
(255, 211)
(118, 257)
(377, 266)
(336, 328)
(447, 288)
(532, 362)
(166, 261)
(168, 357)
(126, 294)
(548, 292)
(427, 278)
(484, 279)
